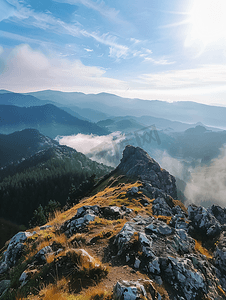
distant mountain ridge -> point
(182, 111)
(48, 119)
(21, 100)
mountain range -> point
(48, 119)
(182, 111)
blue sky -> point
(167, 50)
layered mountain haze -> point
(9, 98)
(129, 239)
(181, 111)
(49, 119)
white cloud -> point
(204, 76)
(102, 149)
(159, 61)
(116, 50)
(27, 69)
(88, 50)
(208, 184)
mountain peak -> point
(136, 163)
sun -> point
(207, 23)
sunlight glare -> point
(207, 23)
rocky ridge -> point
(130, 240)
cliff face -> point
(130, 240)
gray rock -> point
(14, 251)
(133, 191)
(137, 263)
(154, 266)
(134, 290)
(184, 278)
(179, 221)
(161, 208)
(203, 222)
(42, 254)
(87, 213)
(136, 162)
(159, 227)
(218, 212)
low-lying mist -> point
(205, 184)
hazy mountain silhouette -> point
(183, 111)
(48, 119)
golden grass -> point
(57, 291)
(109, 196)
(202, 250)
(165, 219)
(161, 290)
(96, 293)
(221, 291)
(42, 239)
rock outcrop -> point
(136, 163)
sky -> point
(148, 49)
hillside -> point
(48, 119)
(22, 144)
(130, 239)
(40, 170)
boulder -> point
(40, 257)
(135, 290)
(14, 251)
(186, 281)
(203, 223)
(218, 212)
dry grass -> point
(165, 219)
(221, 291)
(202, 250)
(42, 239)
(57, 291)
(161, 290)
(96, 293)
(109, 196)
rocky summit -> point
(130, 239)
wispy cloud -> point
(116, 50)
(206, 75)
(177, 24)
(6, 10)
(107, 12)
(28, 17)
(23, 39)
(159, 61)
(27, 69)
(88, 50)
